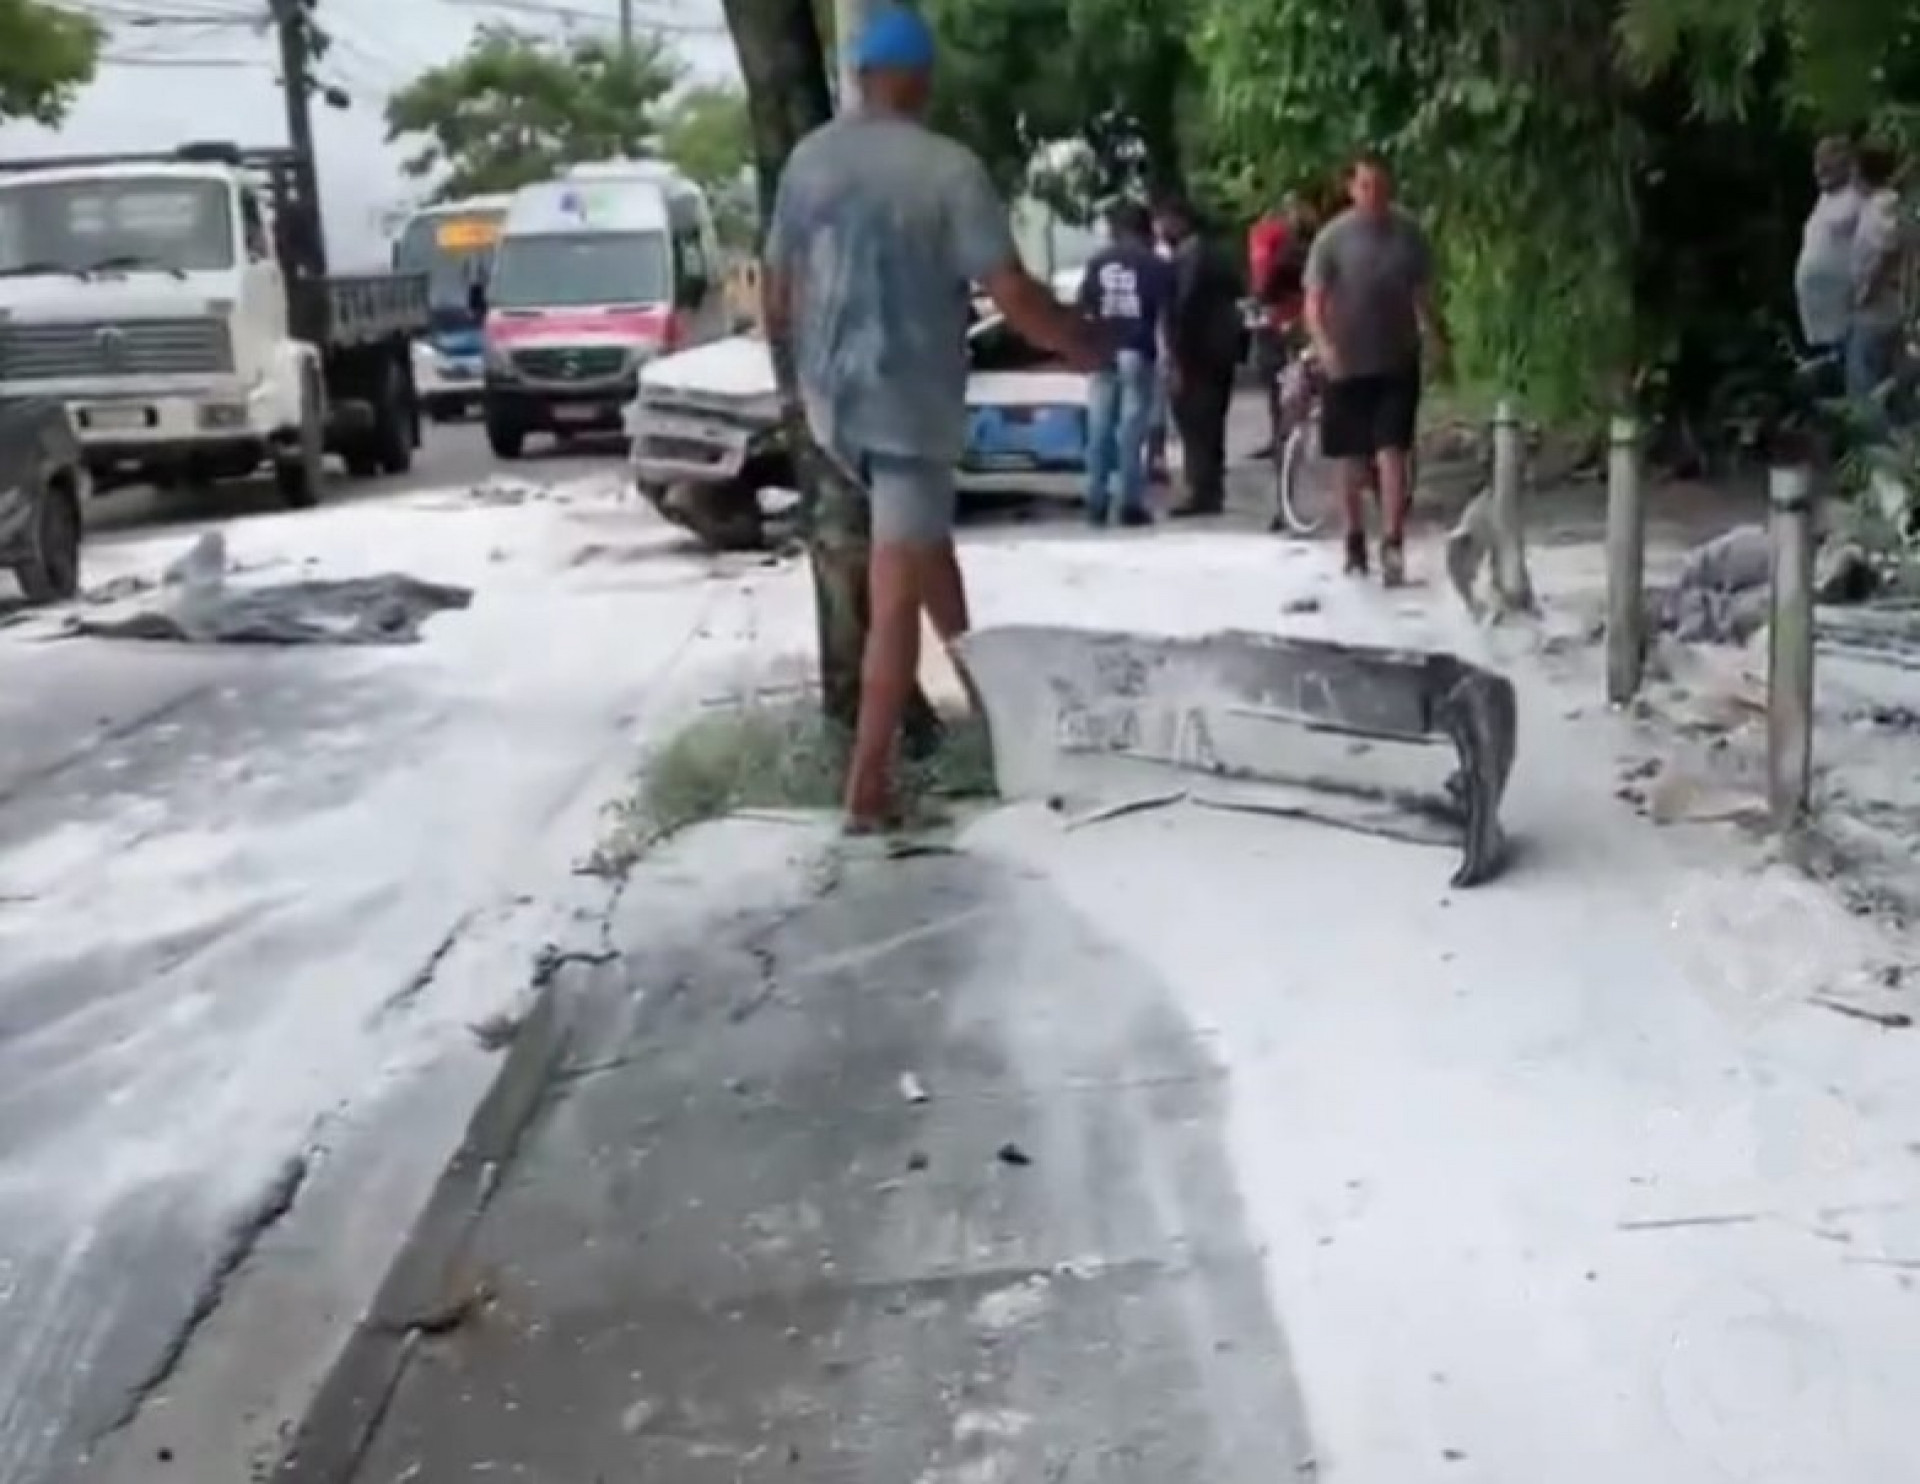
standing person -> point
(1823, 276)
(1276, 261)
(878, 228)
(1203, 345)
(1370, 304)
(1878, 253)
(1157, 416)
(1126, 288)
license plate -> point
(115, 419)
(577, 414)
(461, 370)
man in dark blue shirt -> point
(1127, 287)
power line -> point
(574, 14)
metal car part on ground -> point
(1097, 723)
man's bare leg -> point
(1354, 478)
(945, 593)
(1390, 466)
(889, 670)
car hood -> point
(737, 369)
(738, 373)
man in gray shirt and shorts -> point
(1369, 282)
(879, 229)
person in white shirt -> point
(1879, 248)
(1823, 277)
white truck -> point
(177, 305)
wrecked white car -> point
(707, 420)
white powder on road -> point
(1562, 1178)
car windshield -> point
(559, 270)
(115, 223)
(454, 250)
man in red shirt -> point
(1276, 257)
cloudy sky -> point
(178, 70)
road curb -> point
(420, 1289)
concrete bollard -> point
(1511, 582)
(1790, 646)
(1626, 564)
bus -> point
(453, 244)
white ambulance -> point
(594, 275)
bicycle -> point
(1306, 481)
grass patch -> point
(773, 756)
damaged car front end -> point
(705, 440)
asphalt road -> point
(732, 1250)
(450, 454)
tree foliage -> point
(515, 107)
(46, 55)
(1106, 75)
(704, 131)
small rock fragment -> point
(912, 1090)
(1013, 1154)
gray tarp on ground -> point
(199, 606)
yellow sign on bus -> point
(467, 233)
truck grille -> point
(201, 345)
(587, 363)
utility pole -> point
(626, 29)
(296, 84)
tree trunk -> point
(783, 63)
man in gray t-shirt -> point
(1370, 304)
(879, 228)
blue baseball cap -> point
(897, 39)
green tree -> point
(1110, 75)
(704, 131)
(46, 55)
(516, 107)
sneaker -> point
(1356, 554)
(1136, 517)
(1097, 517)
(1393, 563)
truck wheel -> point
(299, 473)
(52, 573)
(394, 430)
(507, 440)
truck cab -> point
(180, 306)
(594, 275)
(148, 296)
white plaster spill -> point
(1597, 1126)
(209, 950)
(1010, 1307)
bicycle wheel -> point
(1308, 486)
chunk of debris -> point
(1888, 1020)
(202, 565)
(1013, 1154)
(496, 1032)
(912, 1090)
